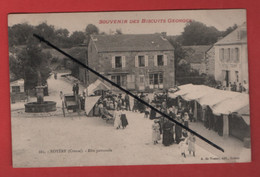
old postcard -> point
(179, 92)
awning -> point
(220, 101)
(90, 103)
(231, 105)
(184, 89)
(217, 96)
(97, 85)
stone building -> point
(210, 61)
(140, 62)
(228, 59)
(196, 56)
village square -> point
(64, 115)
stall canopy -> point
(220, 101)
(97, 85)
(90, 102)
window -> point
(160, 78)
(221, 54)
(155, 80)
(236, 55)
(15, 89)
(160, 60)
(141, 61)
(228, 54)
(118, 62)
(119, 80)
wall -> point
(210, 62)
(102, 62)
(241, 66)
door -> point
(141, 83)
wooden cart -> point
(71, 103)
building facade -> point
(135, 62)
(231, 59)
(196, 57)
(210, 61)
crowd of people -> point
(170, 132)
(236, 87)
(112, 106)
(162, 129)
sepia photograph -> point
(129, 88)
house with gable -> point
(227, 60)
(140, 62)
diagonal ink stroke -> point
(127, 92)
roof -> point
(220, 101)
(196, 53)
(238, 36)
(131, 42)
(17, 82)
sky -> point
(160, 21)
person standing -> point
(245, 87)
(74, 89)
(127, 102)
(156, 132)
(191, 144)
(152, 112)
(183, 147)
(178, 131)
(77, 88)
(186, 119)
(124, 121)
(167, 132)
(117, 117)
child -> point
(156, 132)
(191, 144)
(146, 112)
(183, 147)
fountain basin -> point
(46, 106)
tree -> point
(184, 74)
(197, 33)
(18, 34)
(77, 37)
(34, 64)
(90, 29)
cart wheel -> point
(63, 109)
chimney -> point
(163, 35)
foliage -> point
(90, 29)
(77, 37)
(31, 64)
(197, 33)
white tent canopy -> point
(97, 85)
(220, 101)
(233, 104)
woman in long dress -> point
(156, 136)
(117, 117)
(124, 120)
(167, 133)
(178, 131)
